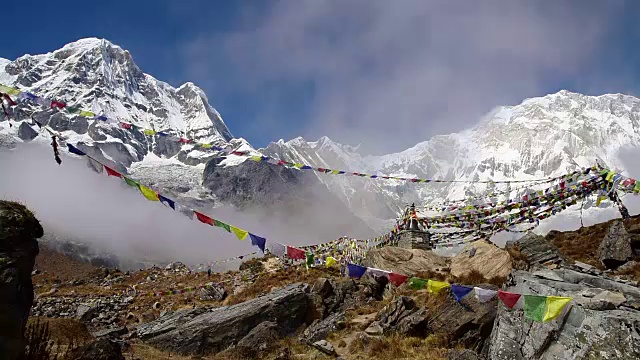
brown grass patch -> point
(474, 277)
(63, 331)
(397, 347)
(633, 272)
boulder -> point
(402, 316)
(538, 250)
(320, 329)
(206, 331)
(261, 337)
(26, 132)
(19, 230)
(483, 257)
(102, 349)
(615, 249)
(406, 261)
(325, 347)
(213, 293)
(462, 354)
(110, 332)
(582, 331)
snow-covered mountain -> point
(539, 138)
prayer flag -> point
(296, 254)
(204, 218)
(377, 272)
(125, 125)
(555, 305)
(166, 201)
(398, 279)
(330, 261)
(277, 249)
(94, 165)
(258, 241)
(188, 212)
(222, 225)
(75, 150)
(356, 271)
(509, 299)
(437, 286)
(148, 193)
(240, 234)
(131, 182)
(310, 259)
(149, 132)
(206, 146)
(112, 172)
(417, 283)
(460, 291)
(57, 104)
(87, 114)
(534, 307)
(100, 117)
(256, 158)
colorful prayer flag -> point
(87, 114)
(310, 259)
(460, 291)
(356, 271)
(131, 182)
(166, 201)
(204, 218)
(112, 172)
(186, 211)
(222, 225)
(295, 254)
(258, 241)
(534, 307)
(277, 249)
(435, 287)
(148, 193)
(398, 279)
(149, 132)
(417, 283)
(240, 234)
(75, 150)
(330, 261)
(509, 299)
(555, 305)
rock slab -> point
(615, 249)
(202, 331)
(483, 257)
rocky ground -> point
(266, 311)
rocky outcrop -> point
(538, 250)
(602, 322)
(402, 316)
(204, 331)
(19, 230)
(483, 257)
(103, 349)
(405, 261)
(615, 249)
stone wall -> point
(411, 239)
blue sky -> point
(384, 74)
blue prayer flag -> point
(356, 270)
(75, 150)
(170, 203)
(258, 241)
(460, 291)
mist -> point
(76, 203)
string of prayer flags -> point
(295, 254)
(356, 271)
(484, 295)
(75, 150)
(166, 201)
(554, 307)
(310, 260)
(417, 283)
(131, 182)
(204, 218)
(398, 279)
(258, 241)
(509, 299)
(239, 233)
(277, 249)
(435, 287)
(112, 172)
(222, 225)
(330, 261)
(534, 307)
(460, 291)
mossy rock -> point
(17, 223)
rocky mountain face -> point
(539, 138)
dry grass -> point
(398, 347)
(518, 260)
(633, 272)
(64, 331)
(475, 277)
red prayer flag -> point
(509, 299)
(398, 279)
(125, 125)
(204, 218)
(295, 254)
(184, 141)
(57, 104)
(112, 172)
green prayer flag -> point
(417, 283)
(309, 259)
(220, 224)
(130, 182)
(535, 307)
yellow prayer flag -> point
(436, 286)
(330, 261)
(298, 165)
(335, 172)
(555, 305)
(149, 132)
(256, 158)
(240, 234)
(610, 176)
(87, 113)
(148, 193)
(14, 92)
(600, 199)
(206, 146)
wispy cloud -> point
(390, 74)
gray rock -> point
(374, 329)
(19, 230)
(614, 298)
(261, 337)
(102, 349)
(322, 287)
(403, 316)
(628, 266)
(86, 312)
(26, 132)
(325, 347)
(111, 332)
(538, 250)
(213, 293)
(589, 328)
(615, 248)
(462, 354)
(208, 331)
(320, 329)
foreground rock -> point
(483, 257)
(405, 261)
(19, 230)
(615, 249)
(538, 250)
(102, 349)
(603, 321)
(202, 331)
